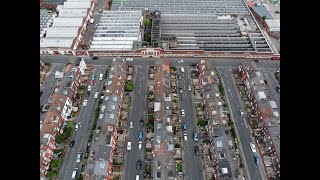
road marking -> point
(245, 122)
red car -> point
(91, 82)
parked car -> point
(184, 127)
(72, 143)
(140, 135)
(141, 123)
(195, 137)
(89, 88)
(253, 147)
(129, 59)
(180, 90)
(129, 146)
(88, 94)
(131, 124)
(256, 61)
(96, 95)
(85, 102)
(95, 58)
(91, 82)
(179, 77)
(196, 151)
(140, 146)
(193, 64)
(182, 112)
(185, 137)
(74, 173)
(257, 160)
(180, 61)
(241, 113)
(189, 87)
(40, 93)
(76, 127)
(93, 77)
(138, 165)
(78, 157)
(278, 89)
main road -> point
(137, 112)
(217, 62)
(243, 129)
(192, 163)
(86, 117)
(49, 83)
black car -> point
(193, 64)
(72, 143)
(196, 150)
(88, 94)
(278, 89)
(138, 165)
(141, 123)
(179, 77)
(256, 61)
(40, 93)
(95, 58)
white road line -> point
(245, 122)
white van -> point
(91, 21)
(182, 69)
(137, 177)
(74, 173)
(100, 77)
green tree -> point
(202, 122)
(264, 17)
(174, 68)
(80, 177)
(51, 175)
(147, 22)
(129, 86)
(221, 89)
(150, 93)
(177, 146)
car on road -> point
(253, 147)
(180, 61)
(78, 157)
(91, 21)
(140, 135)
(266, 82)
(182, 69)
(100, 10)
(100, 77)
(256, 61)
(131, 124)
(74, 173)
(196, 151)
(93, 77)
(85, 102)
(129, 146)
(257, 160)
(195, 137)
(180, 90)
(278, 89)
(88, 94)
(185, 137)
(40, 93)
(89, 88)
(76, 127)
(96, 95)
(140, 146)
(184, 127)
(138, 165)
(129, 59)
(179, 77)
(72, 143)
(193, 64)
(189, 87)
(91, 82)
(95, 58)
(182, 112)
(241, 113)
(141, 123)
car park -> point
(78, 157)
(253, 147)
(195, 137)
(138, 166)
(85, 102)
(141, 123)
(129, 146)
(131, 124)
(96, 95)
(196, 151)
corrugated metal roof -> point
(262, 11)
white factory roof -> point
(117, 30)
(56, 42)
(72, 12)
(71, 32)
(273, 24)
(68, 22)
(81, 5)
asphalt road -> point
(241, 124)
(49, 83)
(137, 112)
(271, 87)
(86, 117)
(192, 163)
(230, 63)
